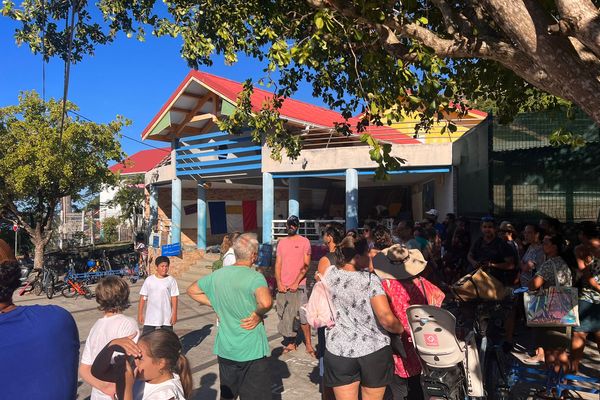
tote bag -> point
(319, 309)
(556, 306)
(479, 285)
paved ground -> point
(294, 375)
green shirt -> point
(231, 291)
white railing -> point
(312, 229)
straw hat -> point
(399, 262)
(6, 252)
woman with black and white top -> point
(358, 353)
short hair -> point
(382, 238)
(244, 245)
(112, 294)
(408, 224)
(10, 275)
(161, 259)
(589, 229)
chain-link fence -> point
(530, 178)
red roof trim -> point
(173, 96)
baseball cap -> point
(293, 221)
(432, 212)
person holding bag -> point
(358, 355)
(332, 237)
(588, 263)
(401, 270)
(554, 271)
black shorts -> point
(249, 380)
(373, 370)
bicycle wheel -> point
(87, 293)
(495, 374)
(69, 291)
(50, 289)
(37, 288)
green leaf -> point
(319, 22)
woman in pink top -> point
(400, 270)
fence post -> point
(490, 153)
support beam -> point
(294, 197)
(268, 203)
(351, 199)
(192, 113)
(176, 211)
(201, 234)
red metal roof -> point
(291, 109)
(142, 161)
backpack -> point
(319, 309)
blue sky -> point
(128, 78)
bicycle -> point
(33, 283)
(486, 319)
(75, 288)
(50, 283)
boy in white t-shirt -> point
(159, 294)
(112, 295)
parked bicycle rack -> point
(84, 276)
(555, 384)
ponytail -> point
(165, 344)
(185, 374)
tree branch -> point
(580, 19)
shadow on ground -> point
(207, 389)
(279, 372)
(194, 338)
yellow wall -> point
(407, 126)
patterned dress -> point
(357, 332)
(589, 294)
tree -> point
(39, 164)
(380, 58)
(130, 198)
(110, 225)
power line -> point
(125, 136)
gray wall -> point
(470, 159)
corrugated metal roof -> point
(142, 161)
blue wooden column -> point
(176, 211)
(268, 203)
(294, 197)
(201, 235)
(351, 199)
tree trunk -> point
(40, 245)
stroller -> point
(451, 368)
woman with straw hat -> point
(400, 269)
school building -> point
(214, 182)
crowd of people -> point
(373, 275)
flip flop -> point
(531, 361)
(288, 349)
